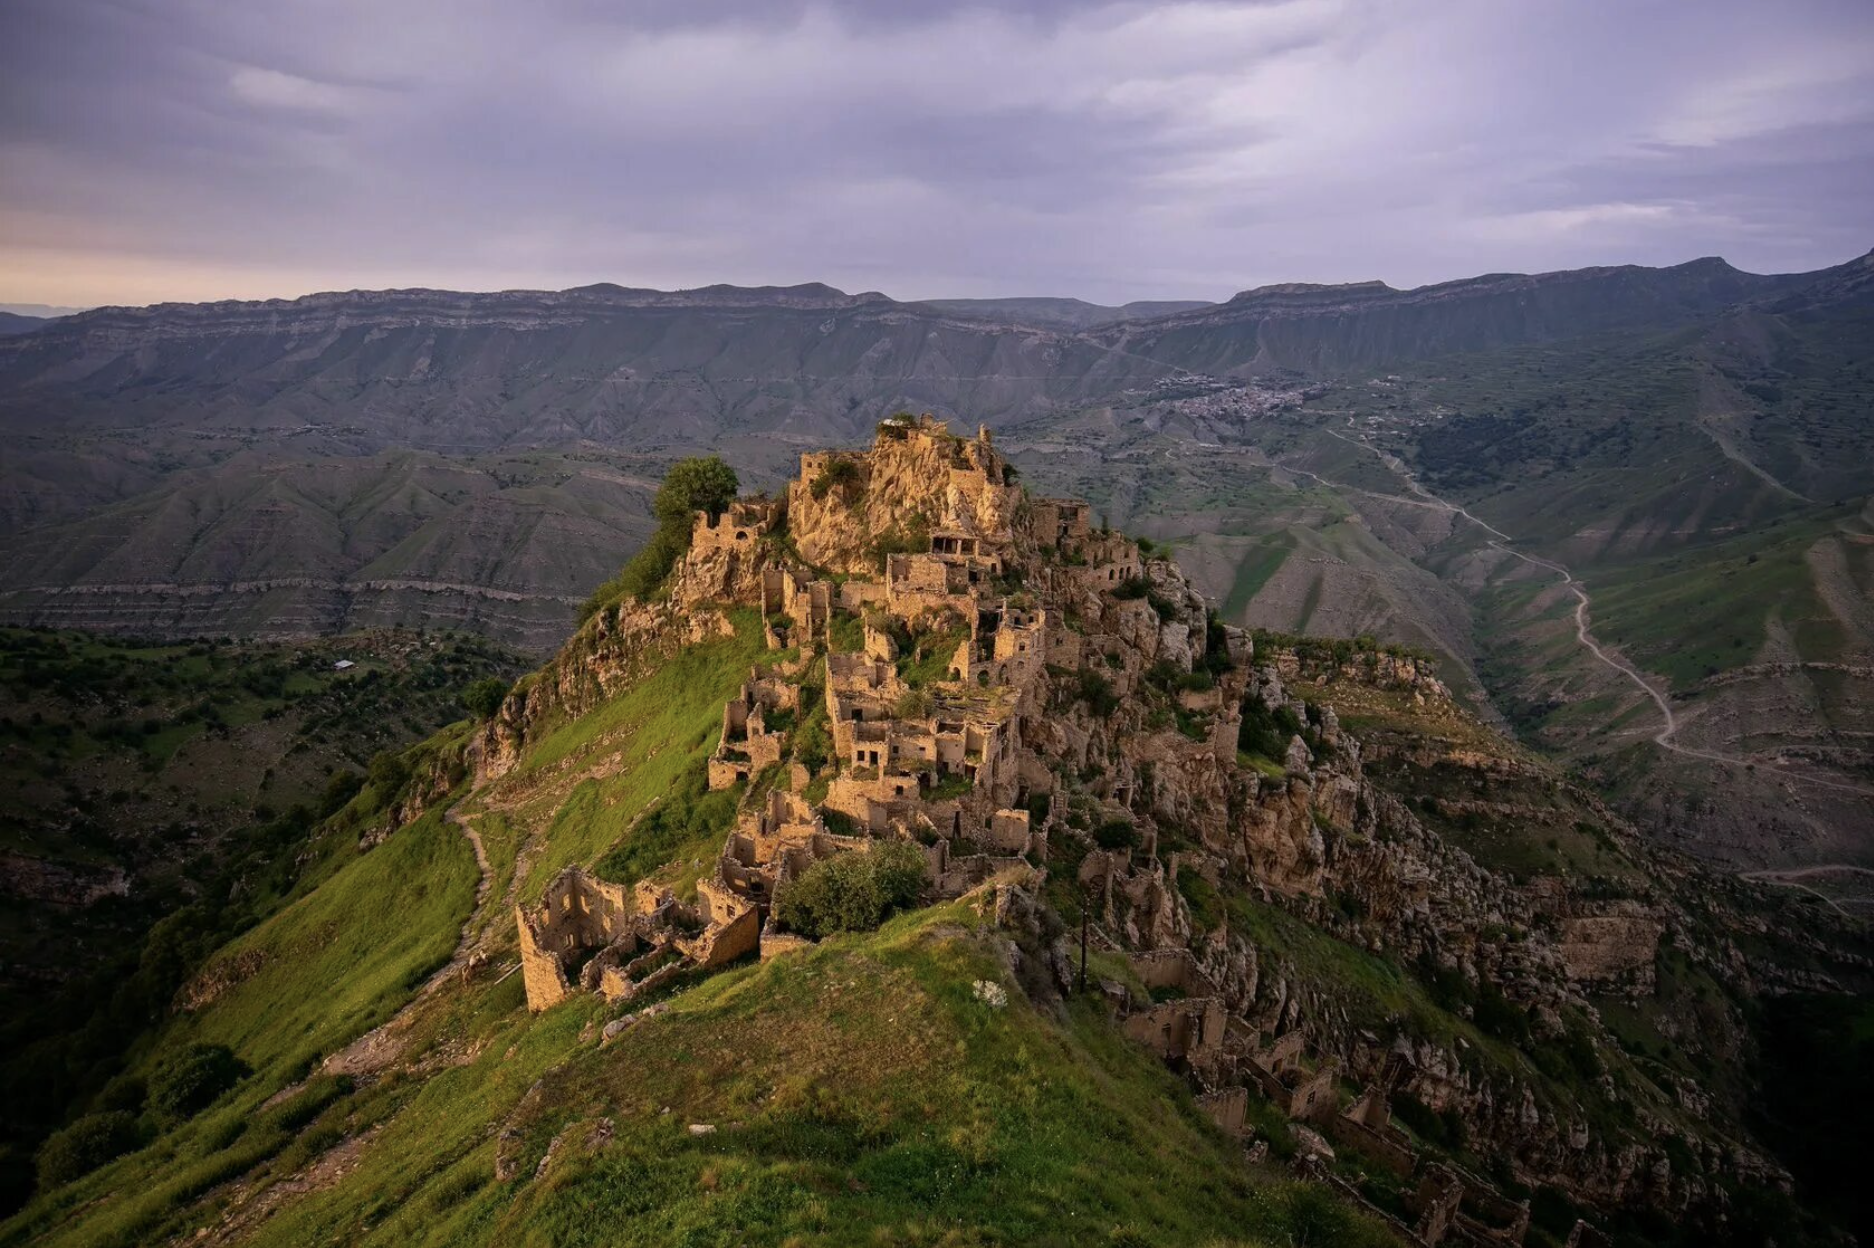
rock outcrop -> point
(1045, 708)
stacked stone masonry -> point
(980, 657)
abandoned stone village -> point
(1037, 702)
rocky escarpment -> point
(595, 364)
(1278, 865)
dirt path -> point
(251, 1206)
(1709, 420)
(1583, 632)
(384, 1044)
(482, 889)
(1794, 877)
(1727, 449)
(1835, 585)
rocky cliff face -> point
(1309, 824)
(843, 504)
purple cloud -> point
(1114, 151)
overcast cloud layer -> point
(179, 149)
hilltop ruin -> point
(1044, 705)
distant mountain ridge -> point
(1070, 314)
(203, 447)
(1329, 329)
(451, 371)
(609, 333)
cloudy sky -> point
(182, 149)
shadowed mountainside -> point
(169, 464)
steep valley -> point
(159, 800)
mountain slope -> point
(1691, 502)
(159, 799)
(452, 372)
(129, 426)
(1674, 439)
(1365, 325)
(1312, 886)
(264, 545)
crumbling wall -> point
(577, 914)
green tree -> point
(85, 1145)
(484, 697)
(700, 483)
(853, 892)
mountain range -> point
(1688, 444)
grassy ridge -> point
(859, 1091)
(860, 1085)
(361, 942)
(637, 746)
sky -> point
(157, 150)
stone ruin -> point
(600, 937)
(1012, 598)
(942, 770)
(1185, 1020)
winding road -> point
(1793, 878)
(1498, 541)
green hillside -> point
(162, 797)
(860, 1090)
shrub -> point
(1116, 834)
(1501, 1017)
(484, 697)
(186, 1083)
(900, 870)
(910, 538)
(852, 892)
(839, 474)
(85, 1145)
(1097, 692)
(1260, 733)
(1443, 1130)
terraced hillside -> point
(1320, 903)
